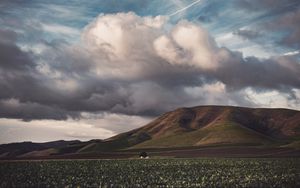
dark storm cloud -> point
(11, 57)
(7, 36)
(281, 73)
(16, 66)
(27, 111)
(19, 80)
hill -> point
(219, 125)
(23, 148)
(204, 129)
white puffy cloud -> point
(124, 45)
(196, 42)
(117, 33)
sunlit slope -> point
(216, 125)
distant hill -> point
(197, 128)
(19, 149)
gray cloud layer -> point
(132, 65)
(283, 16)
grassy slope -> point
(215, 125)
(221, 133)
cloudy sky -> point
(92, 69)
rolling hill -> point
(27, 148)
(197, 128)
(217, 125)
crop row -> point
(152, 173)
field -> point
(152, 173)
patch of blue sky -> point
(63, 20)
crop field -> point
(152, 173)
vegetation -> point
(152, 173)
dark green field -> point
(152, 173)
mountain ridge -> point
(205, 118)
(197, 127)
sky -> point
(81, 70)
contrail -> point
(184, 8)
